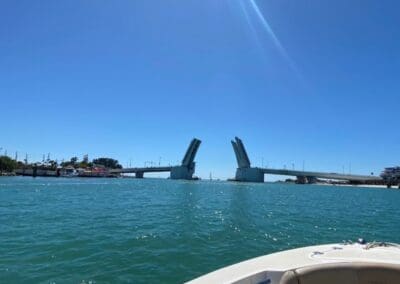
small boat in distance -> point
(346, 263)
(68, 172)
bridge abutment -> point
(249, 175)
(182, 172)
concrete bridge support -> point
(139, 175)
(182, 172)
(249, 175)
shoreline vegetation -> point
(99, 167)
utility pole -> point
(16, 156)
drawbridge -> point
(245, 172)
(183, 171)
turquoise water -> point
(164, 231)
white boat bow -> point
(347, 263)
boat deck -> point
(277, 263)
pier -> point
(246, 173)
(183, 171)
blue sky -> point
(297, 80)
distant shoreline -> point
(282, 182)
(344, 185)
(358, 185)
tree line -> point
(85, 163)
(9, 165)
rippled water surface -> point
(141, 231)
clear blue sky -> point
(297, 80)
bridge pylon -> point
(188, 165)
(245, 172)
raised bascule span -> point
(183, 171)
(246, 173)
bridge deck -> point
(335, 176)
(142, 170)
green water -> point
(164, 231)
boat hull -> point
(269, 269)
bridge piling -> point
(249, 175)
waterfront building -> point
(391, 176)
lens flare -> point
(264, 23)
